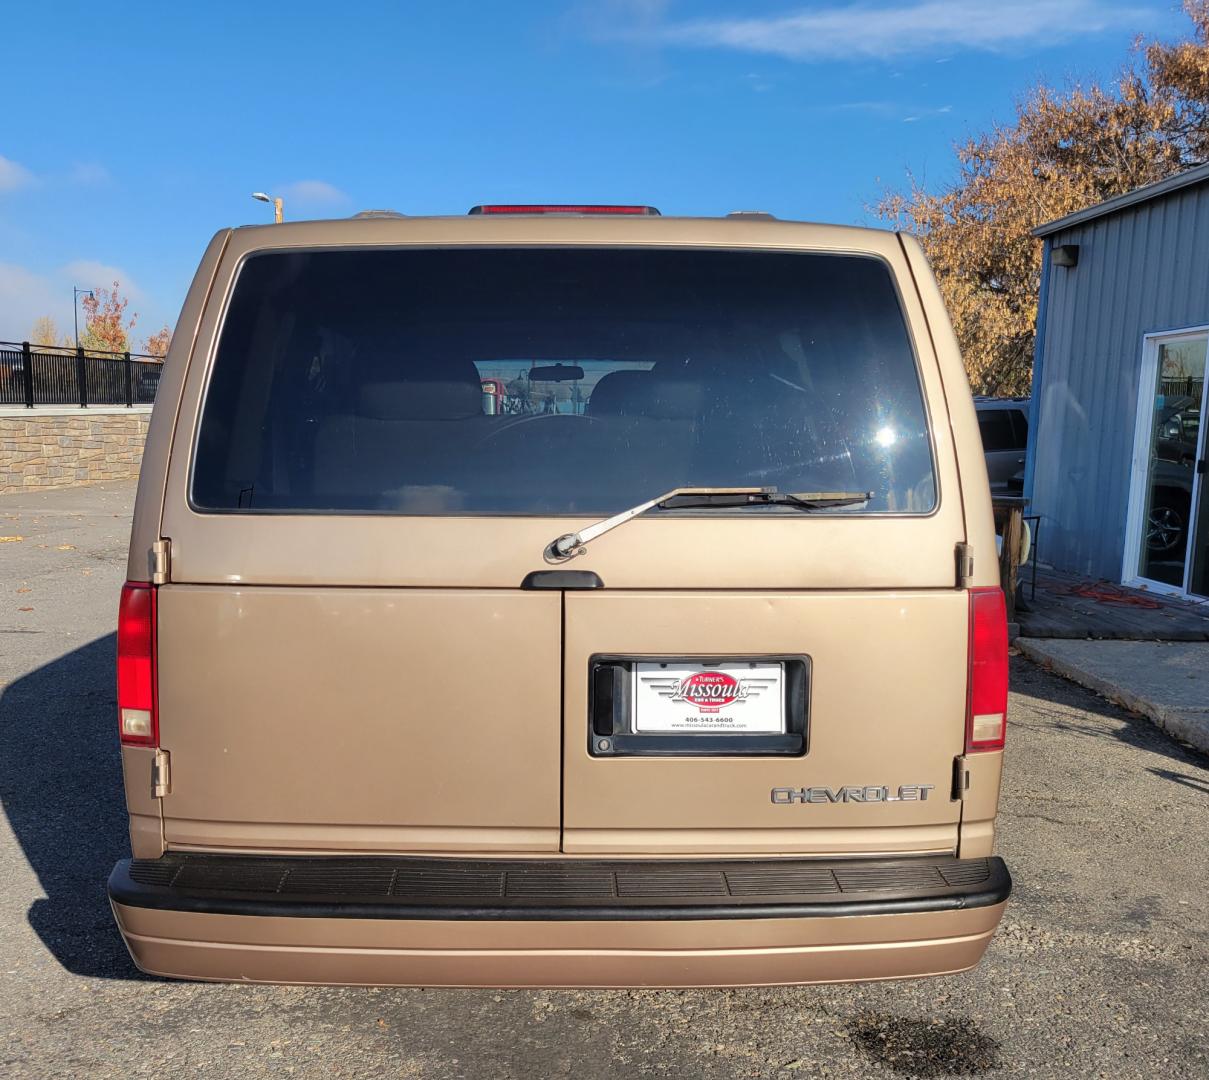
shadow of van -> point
(61, 786)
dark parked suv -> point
(1003, 425)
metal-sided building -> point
(1116, 464)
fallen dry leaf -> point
(25, 609)
(66, 547)
(11, 539)
(25, 589)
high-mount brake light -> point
(986, 710)
(553, 208)
(138, 720)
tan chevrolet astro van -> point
(562, 596)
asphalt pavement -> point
(1100, 968)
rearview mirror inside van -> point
(556, 373)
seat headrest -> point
(618, 393)
(673, 399)
(640, 393)
(450, 392)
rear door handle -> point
(562, 579)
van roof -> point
(587, 227)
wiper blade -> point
(801, 500)
(567, 546)
(570, 545)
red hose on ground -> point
(1102, 592)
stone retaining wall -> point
(44, 449)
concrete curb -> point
(1189, 725)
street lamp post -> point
(76, 293)
(277, 202)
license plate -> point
(731, 699)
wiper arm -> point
(569, 545)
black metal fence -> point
(43, 375)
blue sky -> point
(130, 133)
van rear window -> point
(558, 381)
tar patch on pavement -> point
(925, 1048)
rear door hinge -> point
(161, 774)
(961, 779)
(161, 562)
(965, 565)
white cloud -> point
(312, 193)
(875, 108)
(90, 274)
(24, 296)
(882, 30)
(602, 17)
(13, 175)
(89, 173)
(903, 110)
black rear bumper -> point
(560, 889)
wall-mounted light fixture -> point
(1065, 255)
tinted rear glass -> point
(999, 432)
(573, 381)
(1020, 426)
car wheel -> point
(1164, 528)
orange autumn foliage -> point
(105, 326)
(1064, 151)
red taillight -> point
(138, 722)
(552, 208)
(986, 711)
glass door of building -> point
(1171, 516)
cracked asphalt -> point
(1099, 969)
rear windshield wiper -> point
(799, 500)
(569, 545)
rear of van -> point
(564, 599)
